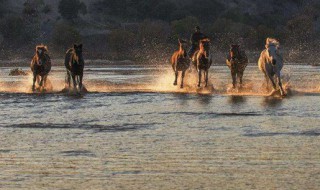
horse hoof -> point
(175, 84)
(181, 86)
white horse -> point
(271, 63)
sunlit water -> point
(135, 130)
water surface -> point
(134, 130)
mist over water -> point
(135, 130)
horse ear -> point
(267, 41)
(75, 46)
(46, 48)
(80, 46)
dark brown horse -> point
(180, 62)
(40, 67)
(74, 64)
(237, 62)
(202, 60)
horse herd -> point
(270, 63)
(41, 66)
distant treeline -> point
(149, 29)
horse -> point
(180, 62)
(74, 64)
(40, 66)
(237, 62)
(271, 63)
(202, 60)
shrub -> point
(121, 40)
(70, 9)
(184, 27)
(65, 35)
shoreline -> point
(101, 62)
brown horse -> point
(237, 62)
(202, 60)
(40, 66)
(180, 62)
(74, 64)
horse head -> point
(272, 46)
(205, 46)
(182, 46)
(41, 50)
(234, 51)
(77, 54)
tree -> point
(184, 27)
(70, 9)
(64, 35)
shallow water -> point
(134, 130)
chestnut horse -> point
(237, 62)
(40, 66)
(74, 64)
(202, 60)
(180, 62)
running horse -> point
(271, 63)
(74, 64)
(40, 67)
(202, 60)
(237, 62)
(180, 62)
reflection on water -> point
(237, 100)
(137, 131)
(272, 102)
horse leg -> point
(273, 83)
(74, 82)
(176, 78)
(267, 81)
(234, 78)
(80, 81)
(182, 77)
(34, 82)
(240, 75)
(199, 81)
(68, 78)
(207, 76)
(280, 85)
(41, 82)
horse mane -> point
(42, 46)
(272, 42)
(201, 48)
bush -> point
(183, 28)
(121, 40)
(69, 9)
(12, 27)
(151, 33)
(65, 35)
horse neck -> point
(181, 50)
(75, 57)
(203, 51)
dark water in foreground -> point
(135, 131)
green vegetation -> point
(124, 29)
(70, 9)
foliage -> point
(70, 9)
(121, 40)
(65, 35)
(184, 27)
